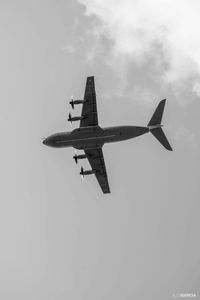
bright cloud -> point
(137, 28)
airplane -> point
(90, 137)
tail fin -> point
(155, 125)
(157, 116)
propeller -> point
(75, 157)
(70, 119)
(72, 102)
(82, 173)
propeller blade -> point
(72, 102)
(70, 119)
(75, 158)
(81, 173)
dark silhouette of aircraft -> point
(90, 137)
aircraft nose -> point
(49, 141)
(46, 142)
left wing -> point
(89, 110)
(96, 160)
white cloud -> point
(141, 30)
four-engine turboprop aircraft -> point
(90, 137)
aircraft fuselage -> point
(93, 136)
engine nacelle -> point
(76, 157)
(86, 172)
(72, 119)
(75, 102)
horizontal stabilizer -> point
(157, 116)
(160, 136)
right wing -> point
(89, 110)
(96, 160)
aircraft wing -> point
(89, 110)
(96, 160)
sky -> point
(61, 238)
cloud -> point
(165, 32)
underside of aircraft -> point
(90, 137)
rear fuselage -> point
(93, 136)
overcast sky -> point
(61, 238)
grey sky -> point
(61, 238)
